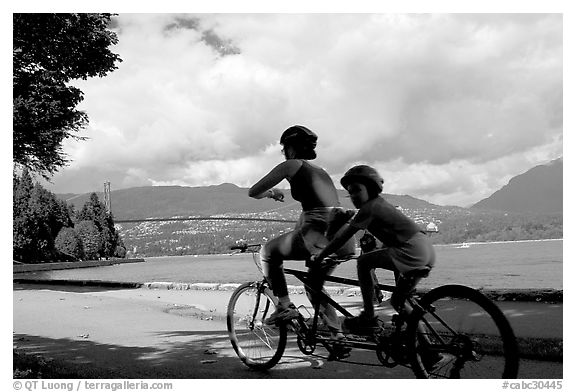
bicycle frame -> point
(321, 296)
(304, 277)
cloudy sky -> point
(448, 107)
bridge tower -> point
(107, 201)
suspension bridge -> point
(108, 206)
(202, 218)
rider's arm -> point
(264, 187)
(342, 236)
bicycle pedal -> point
(337, 357)
(339, 352)
(358, 338)
(294, 325)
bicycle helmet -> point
(299, 134)
(365, 175)
(302, 140)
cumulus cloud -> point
(447, 106)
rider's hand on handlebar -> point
(276, 194)
(315, 262)
(311, 261)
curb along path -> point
(513, 295)
(19, 268)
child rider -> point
(407, 247)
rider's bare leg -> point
(328, 315)
(287, 246)
(366, 263)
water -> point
(507, 265)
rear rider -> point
(314, 189)
(408, 252)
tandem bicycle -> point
(456, 321)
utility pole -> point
(107, 201)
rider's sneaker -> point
(339, 349)
(378, 298)
(436, 361)
(282, 314)
(361, 324)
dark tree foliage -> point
(90, 237)
(23, 227)
(38, 217)
(49, 51)
(42, 227)
(95, 211)
(69, 243)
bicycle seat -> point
(342, 257)
(418, 273)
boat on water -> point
(463, 246)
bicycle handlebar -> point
(329, 262)
(326, 263)
(243, 247)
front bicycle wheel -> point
(258, 345)
(461, 334)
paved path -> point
(146, 333)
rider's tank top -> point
(313, 187)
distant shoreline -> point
(440, 245)
(498, 242)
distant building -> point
(432, 228)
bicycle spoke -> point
(258, 345)
(464, 335)
(267, 337)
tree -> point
(120, 250)
(69, 243)
(49, 51)
(90, 237)
(95, 211)
(23, 226)
(38, 216)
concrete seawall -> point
(521, 295)
(19, 268)
(509, 295)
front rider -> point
(313, 188)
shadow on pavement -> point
(208, 355)
(67, 288)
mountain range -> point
(539, 190)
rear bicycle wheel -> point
(258, 345)
(461, 334)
